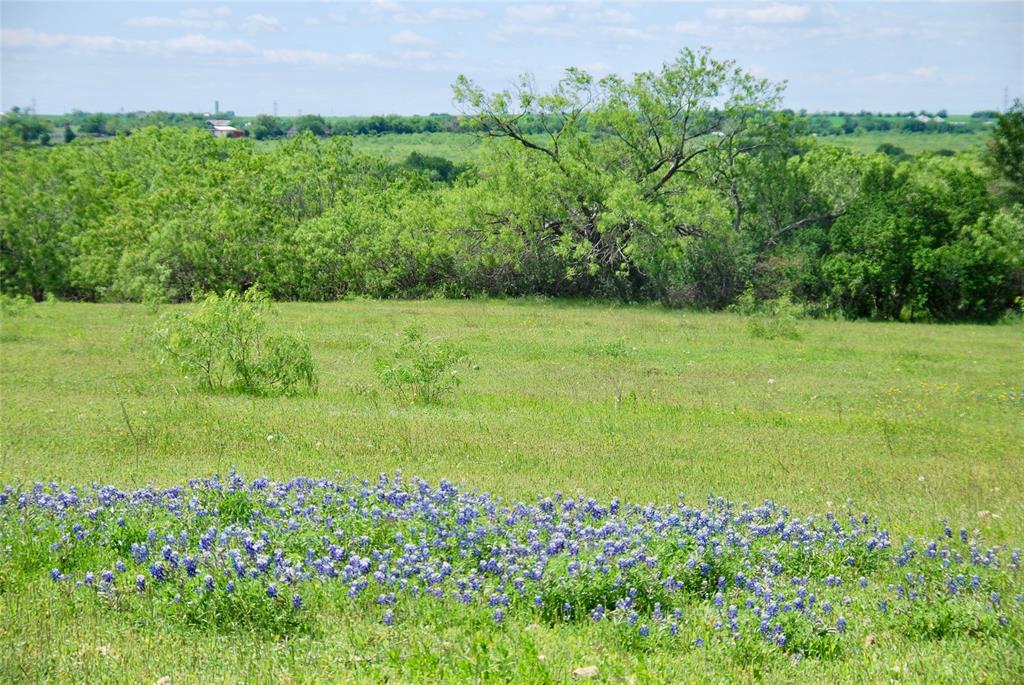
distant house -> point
(222, 128)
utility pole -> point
(275, 108)
(216, 106)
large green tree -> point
(656, 167)
(1006, 153)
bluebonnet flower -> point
(841, 624)
(499, 615)
(389, 617)
(644, 630)
(140, 582)
(487, 551)
(296, 602)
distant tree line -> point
(639, 188)
(35, 128)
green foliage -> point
(24, 127)
(1006, 153)
(222, 346)
(894, 151)
(770, 319)
(266, 127)
(925, 241)
(313, 123)
(14, 305)
(419, 370)
(435, 168)
(594, 188)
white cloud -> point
(182, 22)
(410, 38)
(925, 72)
(195, 14)
(196, 44)
(627, 33)
(203, 46)
(29, 38)
(285, 56)
(533, 13)
(199, 44)
(454, 14)
(689, 27)
(776, 13)
(389, 6)
(612, 16)
(261, 23)
(222, 11)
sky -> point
(387, 56)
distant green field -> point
(462, 147)
(916, 424)
(913, 143)
(458, 147)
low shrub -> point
(419, 370)
(770, 319)
(223, 346)
(14, 305)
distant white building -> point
(222, 128)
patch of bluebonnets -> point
(713, 572)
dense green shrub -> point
(223, 346)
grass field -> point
(462, 147)
(917, 424)
(912, 143)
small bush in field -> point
(223, 345)
(14, 305)
(419, 370)
(770, 319)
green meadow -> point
(462, 147)
(916, 424)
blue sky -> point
(401, 57)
